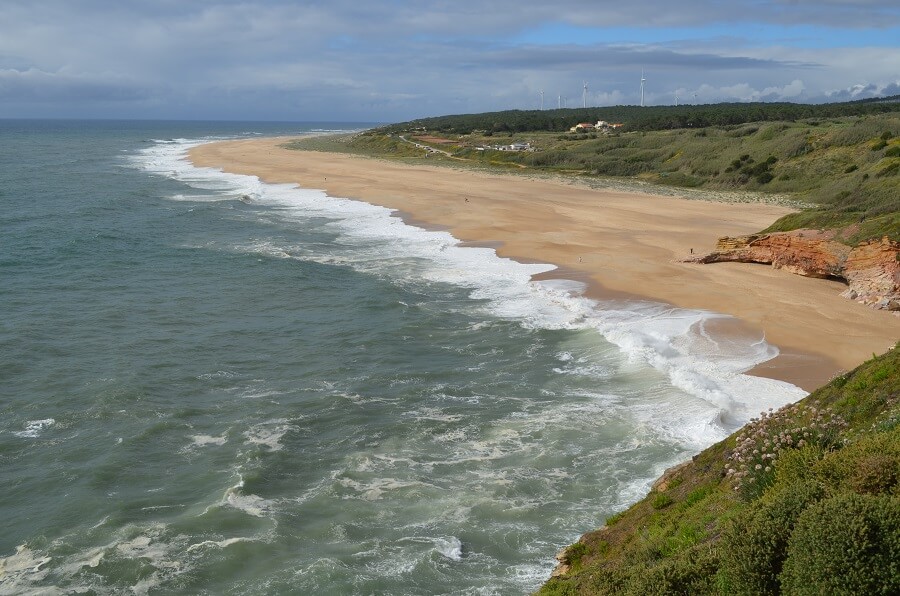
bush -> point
(765, 177)
(870, 465)
(573, 555)
(692, 573)
(754, 546)
(849, 544)
(661, 501)
(760, 443)
(889, 170)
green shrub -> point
(761, 443)
(661, 500)
(574, 554)
(682, 539)
(754, 546)
(849, 544)
(558, 587)
(692, 573)
(697, 495)
(798, 464)
(870, 465)
(765, 177)
(889, 170)
(893, 151)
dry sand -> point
(620, 243)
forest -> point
(637, 118)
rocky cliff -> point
(871, 270)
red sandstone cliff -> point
(871, 270)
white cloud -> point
(375, 61)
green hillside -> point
(804, 500)
(644, 118)
(845, 169)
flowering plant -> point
(761, 442)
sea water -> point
(212, 385)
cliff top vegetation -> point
(648, 118)
(803, 500)
(840, 162)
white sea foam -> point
(375, 489)
(148, 546)
(677, 343)
(248, 503)
(34, 428)
(217, 543)
(269, 434)
(20, 571)
(204, 440)
(449, 547)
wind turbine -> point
(642, 87)
(558, 101)
(542, 99)
(584, 96)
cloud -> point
(862, 91)
(339, 59)
(34, 85)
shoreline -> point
(620, 244)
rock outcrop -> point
(871, 270)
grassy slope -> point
(691, 536)
(848, 167)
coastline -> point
(621, 244)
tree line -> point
(636, 118)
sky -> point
(396, 60)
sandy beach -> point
(622, 244)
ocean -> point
(213, 385)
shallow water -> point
(213, 385)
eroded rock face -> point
(871, 270)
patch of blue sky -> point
(748, 34)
